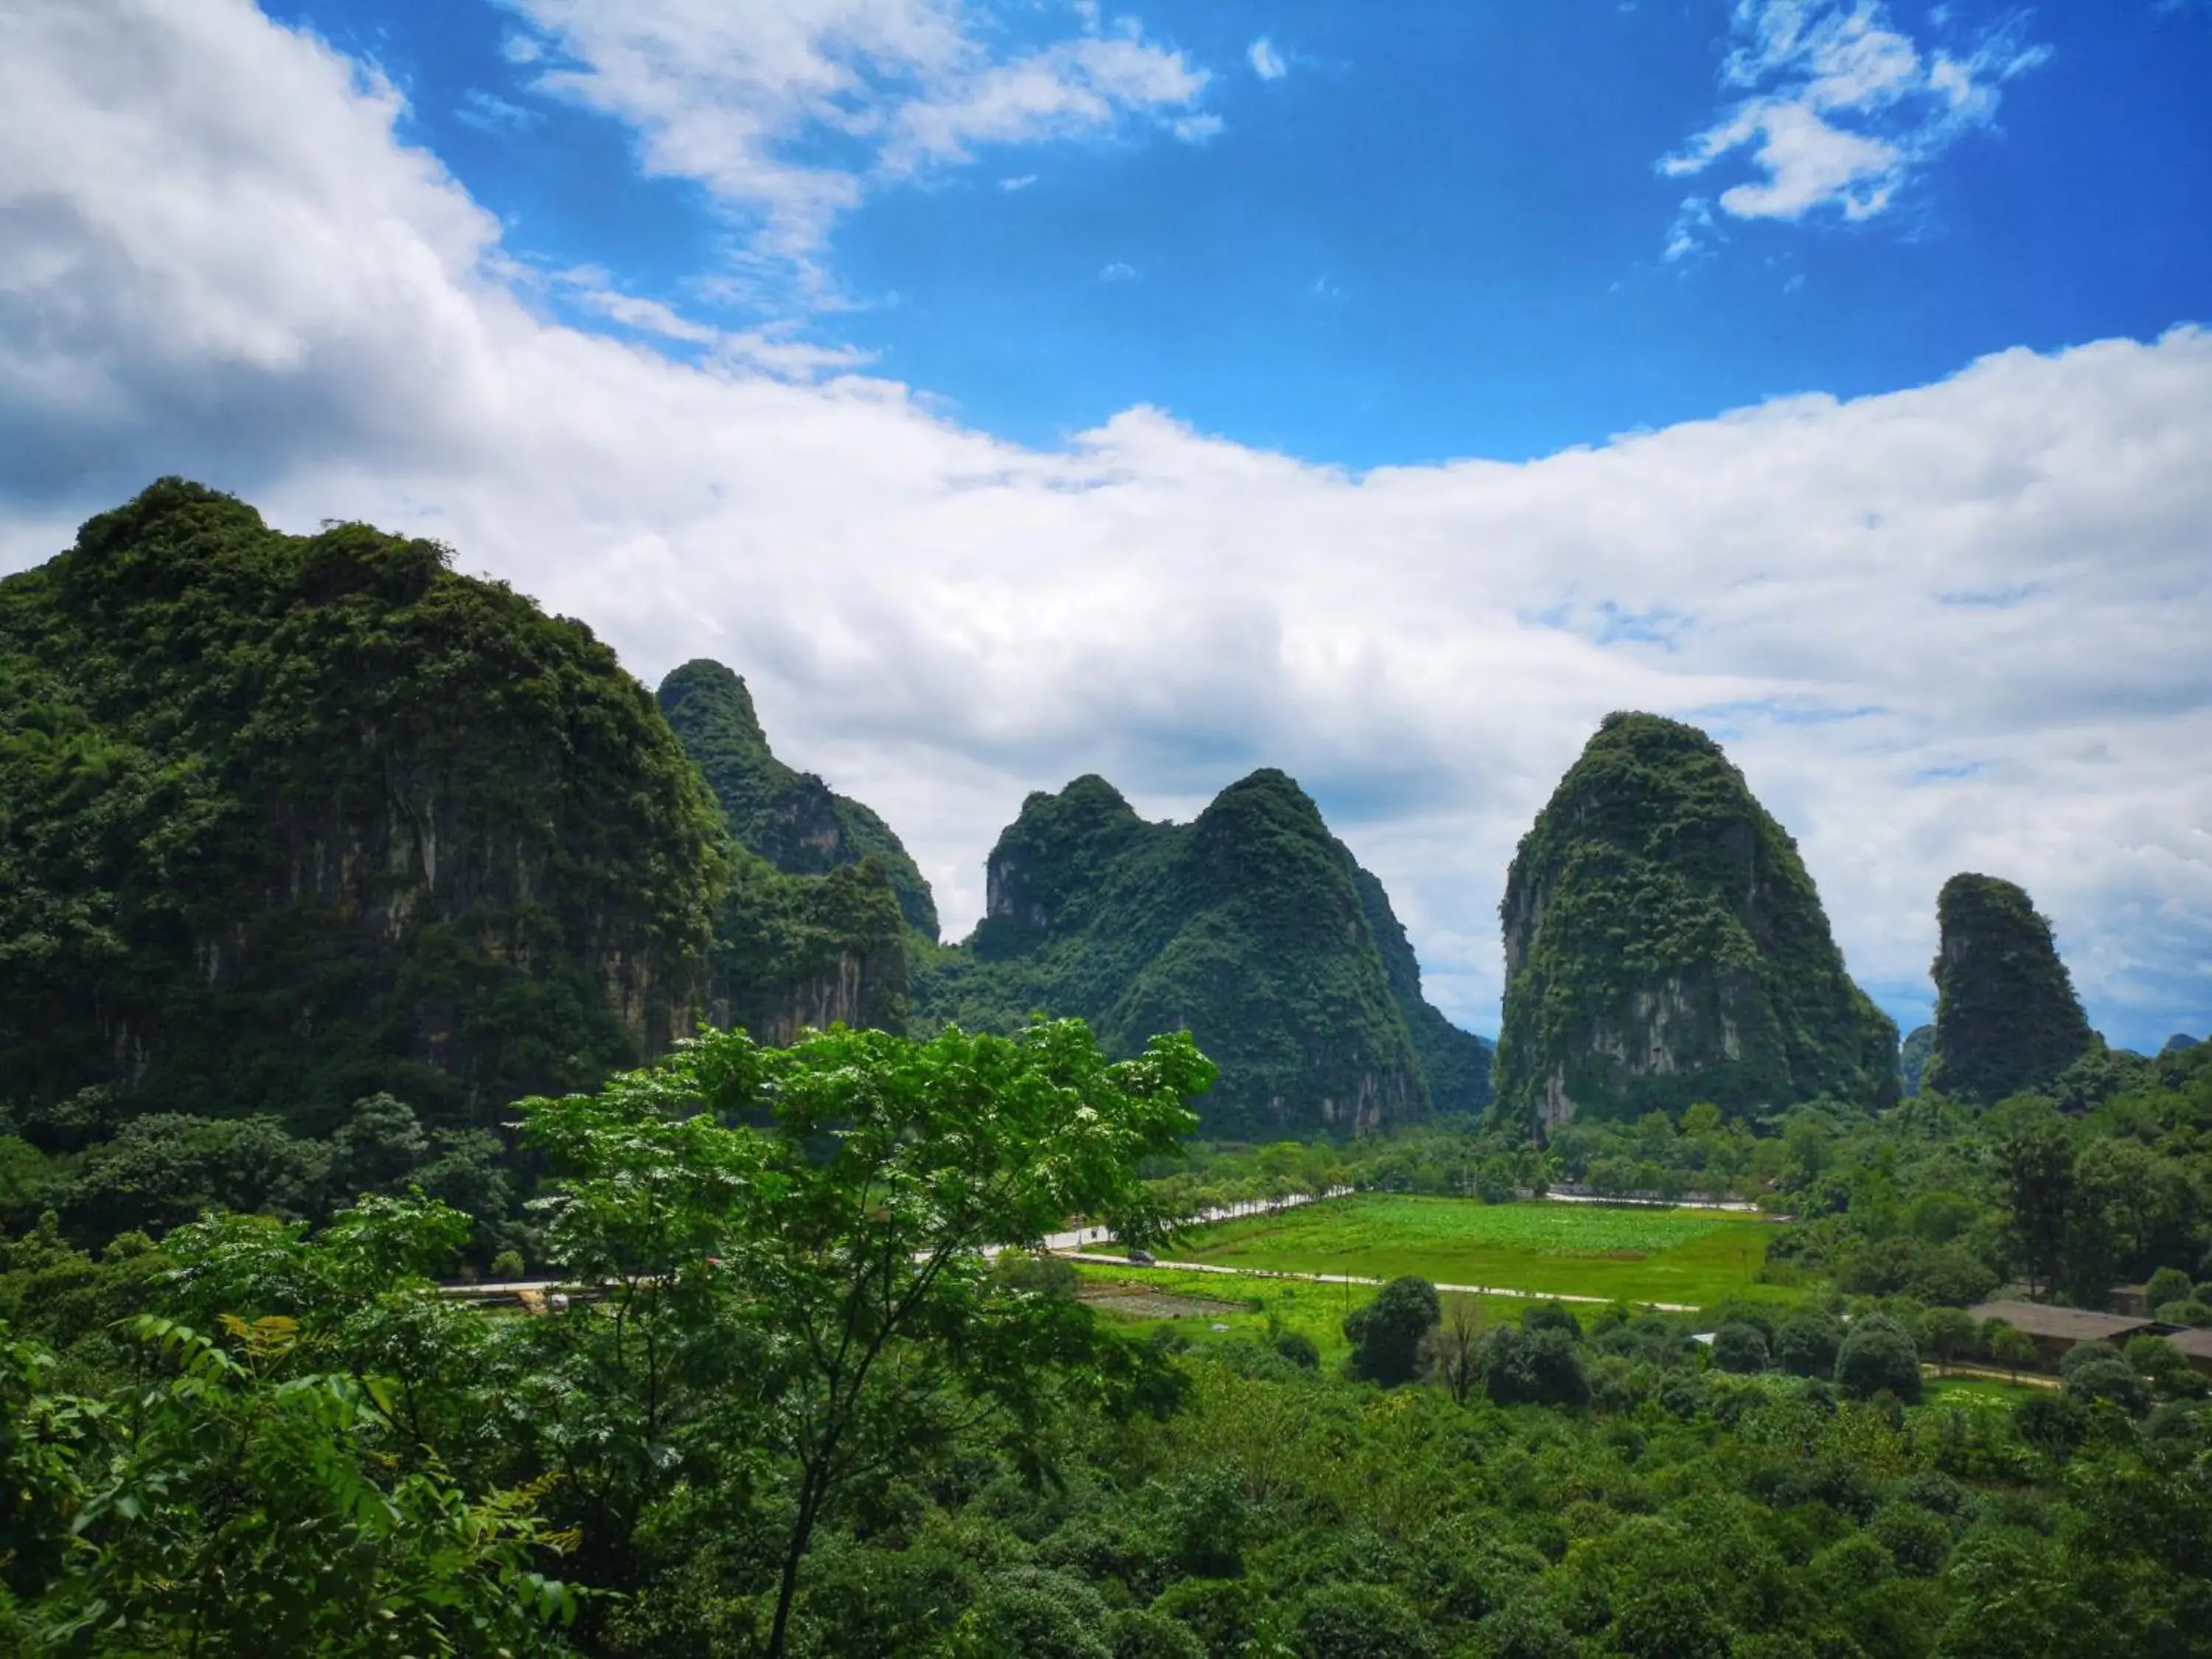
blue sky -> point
(1012, 389)
(1439, 238)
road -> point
(1354, 1278)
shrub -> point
(1878, 1355)
(2188, 1311)
(1298, 1348)
(508, 1264)
(1738, 1347)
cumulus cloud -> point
(1839, 109)
(1266, 63)
(790, 113)
(1957, 627)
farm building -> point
(2195, 1346)
(2055, 1330)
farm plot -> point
(1695, 1257)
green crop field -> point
(1290, 1304)
(1693, 1257)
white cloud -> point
(790, 113)
(1266, 63)
(1021, 181)
(1118, 272)
(1958, 627)
(1840, 108)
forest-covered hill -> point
(1252, 927)
(1664, 945)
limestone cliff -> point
(1664, 944)
(286, 821)
(1252, 925)
(791, 818)
(2006, 1019)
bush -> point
(2188, 1311)
(1738, 1347)
(1298, 1348)
(508, 1264)
(1386, 1335)
(1806, 1343)
(1878, 1355)
(1360, 1621)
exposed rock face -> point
(286, 821)
(1664, 944)
(1252, 927)
(789, 817)
(1912, 1058)
(2006, 1019)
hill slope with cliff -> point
(1664, 944)
(1253, 926)
(288, 821)
(790, 819)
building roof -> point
(2063, 1324)
(2197, 1345)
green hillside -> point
(1252, 925)
(1664, 945)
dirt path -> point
(1355, 1279)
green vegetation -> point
(1689, 1257)
(1252, 927)
(2006, 1019)
(286, 821)
(1664, 945)
(788, 817)
(1941, 1202)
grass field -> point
(1693, 1257)
(1316, 1310)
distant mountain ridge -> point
(1253, 926)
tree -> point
(2014, 1350)
(1878, 1355)
(1386, 1334)
(1738, 1347)
(1360, 1621)
(1805, 1343)
(2168, 1285)
(240, 1499)
(818, 1215)
(1534, 1367)
(1947, 1333)
(2036, 1160)
(1452, 1350)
